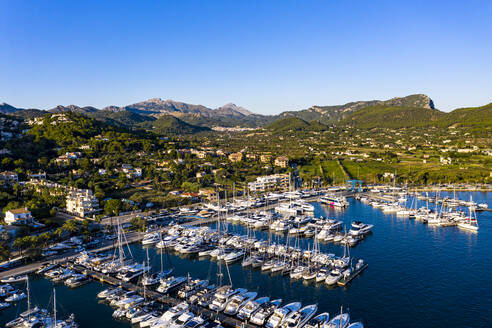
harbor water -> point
(418, 275)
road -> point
(31, 267)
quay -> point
(347, 280)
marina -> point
(377, 283)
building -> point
(236, 157)
(10, 177)
(265, 158)
(18, 216)
(269, 182)
(210, 194)
(282, 161)
(82, 203)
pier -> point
(163, 299)
(347, 280)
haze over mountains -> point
(155, 113)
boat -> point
(77, 280)
(318, 321)
(260, 316)
(251, 307)
(15, 297)
(297, 319)
(165, 319)
(14, 279)
(195, 322)
(356, 325)
(181, 320)
(151, 238)
(280, 314)
(238, 301)
(222, 297)
(234, 257)
(333, 277)
(340, 321)
(321, 275)
(470, 223)
(170, 283)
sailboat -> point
(470, 223)
(68, 323)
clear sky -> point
(267, 56)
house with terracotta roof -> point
(18, 216)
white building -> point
(81, 202)
(18, 216)
(269, 182)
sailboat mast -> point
(54, 305)
(28, 295)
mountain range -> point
(169, 115)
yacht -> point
(334, 276)
(155, 278)
(222, 297)
(251, 307)
(318, 321)
(299, 318)
(15, 297)
(356, 325)
(469, 223)
(170, 283)
(195, 322)
(279, 315)
(181, 320)
(340, 321)
(321, 275)
(168, 316)
(234, 256)
(151, 238)
(238, 301)
(298, 272)
(264, 311)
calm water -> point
(418, 276)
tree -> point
(11, 206)
(71, 226)
(113, 207)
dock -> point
(347, 280)
(166, 300)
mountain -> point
(168, 124)
(385, 116)
(333, 114)
(8, 109)
(73, 108)
(295, 124)
(123, 118)
(233, 110)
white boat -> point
(181, 320)
(14, 279)
(251, 307)
(340, 321)
(168, 316)
(297, 319)
(151, 238)
(279, 315)
(318, 321)
(356, 325)
(16, 297)
(234, 256)
(238, 301)
(334, 276)
(170, 283)
(260, 316)
(222, 297)
(470, 223)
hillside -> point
(125, 119)
(472, 116)
(295, 124)
(392, 117)
(168, 124)
(333, 114)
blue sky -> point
(267, 56)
